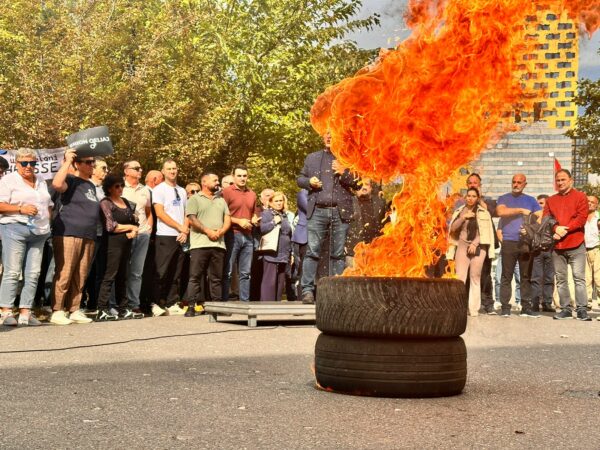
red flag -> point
(557, 167)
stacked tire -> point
(391, 337)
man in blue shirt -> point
(511, 209)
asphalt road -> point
(178, 382)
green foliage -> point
(588, 124)
(591, 189)
(210, 83)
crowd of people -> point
(99, 246)
(540, 274)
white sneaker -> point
(79, 317)
(60, 318)
(157, 310)
(175, 310)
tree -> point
(588, 124)
(210, 83)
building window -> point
(552, 74)
(541, 65)
(570, 113)
(552, 36)
(548, 113)
(530, 57)
(570, 55)
(571, 35)
(530, 76)
(563, 123)
(564, 45)
(564, 65)
(543, 27)
(565, 26)
(569, 94)
(545, 46)
(570, 74)
(552, 55)
(563, 84)
(554, 94)
(540, 85)
(548, 17)
(563, 104)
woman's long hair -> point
(472, 227)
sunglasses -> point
(194, 191)
(89, 162)
(117, 186)
(137, 169)
(28, 163)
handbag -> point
(270, 241)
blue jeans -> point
(20, 248)
(139, 248)
(323, 220)
(241, 251)
(574, 257)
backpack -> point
(539, 237)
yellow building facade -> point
(551, 68)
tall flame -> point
(429, 107)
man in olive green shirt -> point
(209, 220)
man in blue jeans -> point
(329, 209)
(511, 209)
(241, 202)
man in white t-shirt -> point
(172, 230)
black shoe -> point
(564, 314)
(535, 308)
(505, 313)
(105, 316)
(529, 313)
(191, 311)
(308, 298)
(127, 314)
(489, 310)
(546, 307)
(583, 315)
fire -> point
(429, 107)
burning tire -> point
(390, 367)
(391, 307)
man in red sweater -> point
(569, 208)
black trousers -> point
(487, 285)
(117, 249)
(169, 263)
(511, 253)
(273, 281)
(542, 279)
(148, 294)
(205, 261)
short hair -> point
(109, 181)
(167, 161)
(3, 164)
(564, 171)
(239, 167)
(474, 174)
(126, 164)
(542, 196)
(285, 202)
(25, 153)
(192, 184)
(207, 174)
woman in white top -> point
(25, 207)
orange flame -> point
(429, 107)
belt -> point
(324, 206)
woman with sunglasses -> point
(25, 207)
(120, 228)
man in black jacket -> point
(329, 209)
